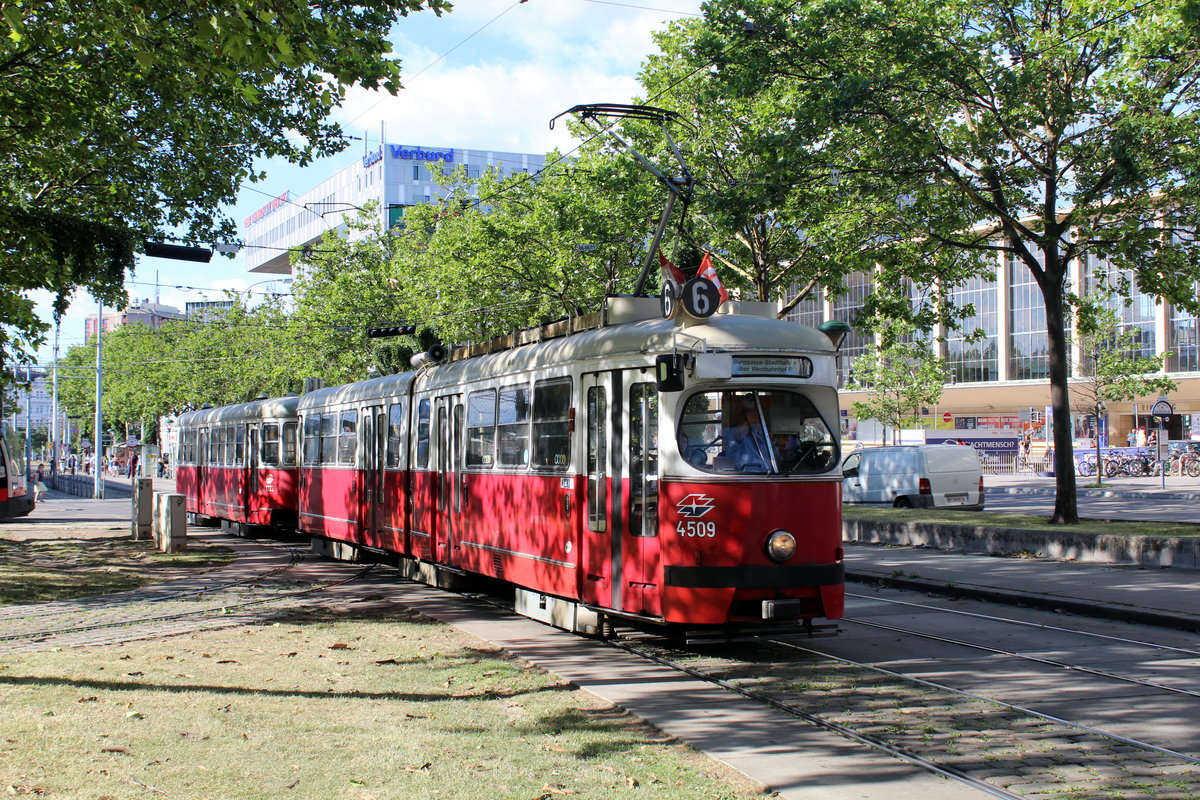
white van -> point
(914, 476)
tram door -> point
(448, 427)
(252, 466)
(374, 428)
(620, 541)
(202, 461)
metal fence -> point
(1014, 464)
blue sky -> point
(488, 75)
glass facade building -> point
(392, 176)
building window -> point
(1183, 339)
(1134, 309)
(857, 288)
(416, 173)
(971, 359)
(1030, 346)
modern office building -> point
(1001, 380)
(201, 310)
(394, 176)
(141, 312)
(34, 404)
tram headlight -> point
(781, 546)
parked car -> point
(914, 476)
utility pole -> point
(54, 452)
(28, 423)
(98, 482)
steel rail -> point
(1024, 623)
(1011, 706)
(1025, 657)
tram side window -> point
(423, 435)
(481, 428)
(214, 446)
(229, 443)
(513, 430)
(239, 446)
(597, 458)
(643, 460)
(270, 444)
(551, 421)
(395, 434)
(289, 444)
(312, 439)
(328, 438)
(348, 438)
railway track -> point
(1005, 747)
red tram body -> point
(238, 463)
(566, 468)
(15, 498)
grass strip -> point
(396, 706)
(1034, 522)
(44, 570)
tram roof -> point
(269, 408)
(723, 333)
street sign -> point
(85, 443)
(947, 417)
(1162, 408)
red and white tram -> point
(679, 475)
(238, 463)
(16, 499)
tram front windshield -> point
(758, 432)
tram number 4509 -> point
(694, 529)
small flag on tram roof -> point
(707, 270)
(670, 271)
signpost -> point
(1162, 409)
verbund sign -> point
(268, 209)
(417, 154)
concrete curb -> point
(1145, 551)
(1135, 494)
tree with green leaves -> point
(1109, 369)
(123, 120)
(900, 377)
(516, 251)
(757, 208)
(958, 132)
(230, 356)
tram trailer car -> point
(237, 464)
(15, 498)
(573, 470)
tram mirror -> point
(668, 372)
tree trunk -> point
(1066, 508)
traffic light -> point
(178, 252)
(395, 330)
